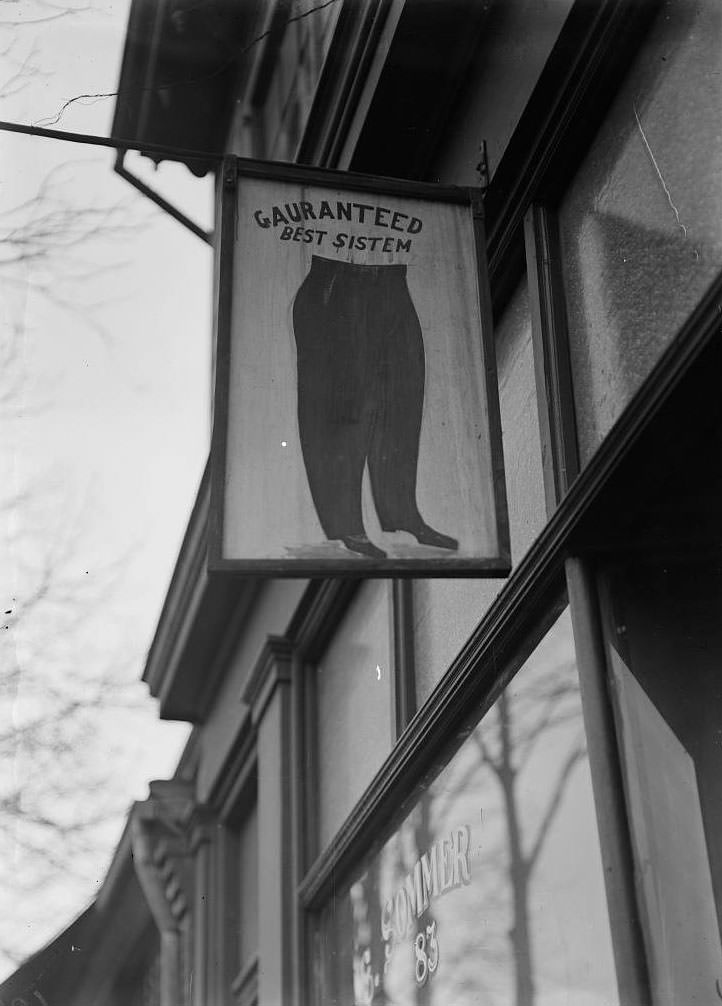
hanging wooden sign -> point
(356, 410)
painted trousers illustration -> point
(361, 372)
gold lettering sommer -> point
(444, 867)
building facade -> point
(463, 791)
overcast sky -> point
(109, 429)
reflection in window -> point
(353, 705)
(641, 227)
(491, 890)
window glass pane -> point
(491, 890)
(642, 225)
(664, 638)
(446, 611)
(354, 715)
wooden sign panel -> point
(356, 415)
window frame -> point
(241, 778)
(320, 614)
(244, 985)
(317, 618)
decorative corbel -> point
(162, 856)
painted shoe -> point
(360, 543)
(426, 535)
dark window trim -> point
(552, 365)
(318, 613)
(403, 681)
(238, 766)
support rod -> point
(170, 153)
(155, 197)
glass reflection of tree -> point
(503, 747)
(507, 782)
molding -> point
(200, 827)
(187, 767)
(527, 601)
(272, 668)
(404, 676)
(201, 614)
(225, 629)
(237, 772)
(187, 571)
(552, 365)
(317, 615)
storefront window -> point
(446, 611)
(353, 706)
(490, 890)
(641, 227)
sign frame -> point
(234, 171)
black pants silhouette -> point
(361, 372)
